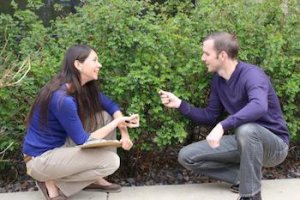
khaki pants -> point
(73, 168)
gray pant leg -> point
(239, 158)
(258, 147)
(221, 163)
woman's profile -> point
(69, 111)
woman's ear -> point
(77, 64)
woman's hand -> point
(126, 143)
(133, 121)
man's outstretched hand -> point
(169, 99)
(215, 136)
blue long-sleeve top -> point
(248, 96)
(63, 122)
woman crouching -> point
(69, 111)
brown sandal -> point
(42, 187)
(113, 188)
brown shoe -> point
(113, 188)
(42, 187)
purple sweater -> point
(248, 96)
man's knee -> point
(245, 132)
(186, 158)
(183, 157)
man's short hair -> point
(224, 41)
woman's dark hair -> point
(87, 96)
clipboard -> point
(100, 144)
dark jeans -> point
(239, 158)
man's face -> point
(210, 56)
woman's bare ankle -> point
(52, 189)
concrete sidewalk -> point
(272, 190)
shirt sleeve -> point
(208, 115)
(256, 86)
(65, 110)
(108, 105)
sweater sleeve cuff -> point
(113, 109)
(226, 124)
(184, 108)
(84, 139)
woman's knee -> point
(113, 162)
(104, 160)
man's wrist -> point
(178, 103)
(220, 125)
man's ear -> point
(223, 55)
(77, 64)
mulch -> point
(140, 168)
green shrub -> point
(147, 47)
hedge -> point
(145, 47)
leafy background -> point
(145, 47)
